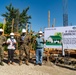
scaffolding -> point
(65, 12)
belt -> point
(39, 48)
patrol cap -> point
(23, 30)
(11, 33)
(1, 30)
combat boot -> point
(8, 63)
(20, 63)
(1, 63)
(13, 63)
(27, 63)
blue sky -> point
(39, 11)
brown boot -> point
(20, 63)
(13, 63)
(8, 63)
(27, 63)
(1, 63)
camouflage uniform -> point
(24, 48)
(2, 40)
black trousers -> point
(10, 55)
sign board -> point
(56, 36)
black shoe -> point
(35, 64)
(40, 64)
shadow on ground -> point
(67, 67)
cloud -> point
(1, 17)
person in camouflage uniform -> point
(24, 41)
(2, 42)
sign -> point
(69, 39)
(56, 36)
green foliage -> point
(20, 18)
(7, 28)
(33, 42)
(5, 48)
(1, 25)
(58, 34)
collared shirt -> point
(39, 42)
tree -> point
(20, 19)
(58, 34)
(1, 25)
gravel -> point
(34, 70)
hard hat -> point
(40, 32)
(23, 30)
(11, 33)
(1, 30)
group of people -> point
(24, 41)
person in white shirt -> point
(11, 48)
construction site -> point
(59, 55)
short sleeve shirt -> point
(11, 45)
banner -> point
(56, 36)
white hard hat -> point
(40, 32)
(11, 33)
(1, 30)
(23, 30)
